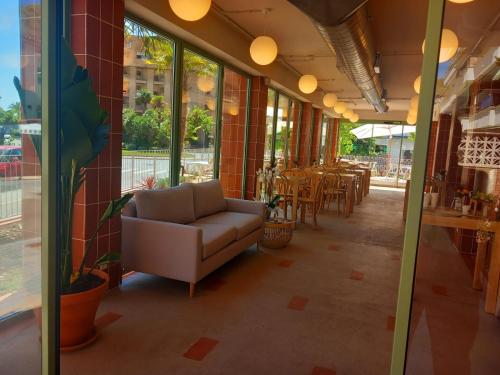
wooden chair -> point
(312, 196)
(284, 190)
(335, 189)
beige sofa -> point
(184, 233)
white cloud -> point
(9, 61)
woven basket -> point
(277, 233)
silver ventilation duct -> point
(344, 26)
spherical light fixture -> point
(185, 97)
(347, 113)
(233, 110)
(263, 50)
(413, 111)
(340, 107)
(329, 100)
(449, 45)
(211, 104)
(354, 117)
(414, 102)
(190, 10)
(308, 83)
(461, 1)
(416, 84)
(205, 83)
(411, 120)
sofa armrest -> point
(161, 248)
(248, 207)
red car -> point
(10, 161)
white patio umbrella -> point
(381, 130)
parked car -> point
(10, 161)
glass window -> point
(322, 145)
(20, 183)
(454, 313)
(233, 132)
(268, 146)
(291, 136)
(147, 105)
(280, 142)
(199, 101)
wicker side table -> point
(277, 233)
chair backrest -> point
(293, 172)
(282, 185)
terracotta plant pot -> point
(78, 313)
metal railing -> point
(385, 167)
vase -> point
(465, 209)
(434, 200)
(427, 200)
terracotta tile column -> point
(316, 136)
(335, 131)
(256, 134)
(233, 136)
(305, 135)
(431, 152)
(97, 41)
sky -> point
(9, 51)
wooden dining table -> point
(360, 189)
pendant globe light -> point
(263, 50)
(205, 83)
(347, 113)
(340, 107)
(414, 102)
(308, 83)
(354, 117)
(416, 84)
(190, 10)
(449, 45)
(329, 100)
(461, 1)
(413, 111)
(211, 104)
(411, 120)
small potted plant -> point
(84, 134)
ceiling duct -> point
(344, 26)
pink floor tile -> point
(356, 275)
(286, 263)
(200, 349)
(298, 303)
(439, 290)
(323, 371)
(214, 284)
(106, 320)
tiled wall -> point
(335, 126)
(431, 153)
(97, 41)
(233, 135)
(305, 134)
(256, 134)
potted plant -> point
(84, 135)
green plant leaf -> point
(115, 206)
(108, 258)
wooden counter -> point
(452, 219)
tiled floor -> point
(324, 305)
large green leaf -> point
(115, 207)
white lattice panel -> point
(479, 151)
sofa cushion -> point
(208, 198)
(174, 205)
(244, 223)
(215, 237)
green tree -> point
(198, 119)
(144, 131)
(143, 98)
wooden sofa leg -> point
(191, 289)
